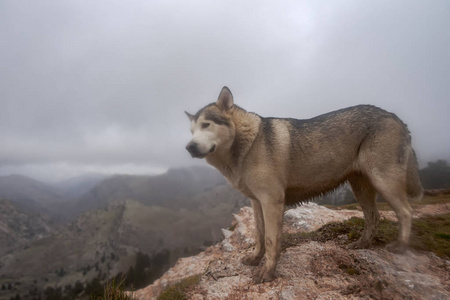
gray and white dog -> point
(283, 161)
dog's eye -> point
(205, 125)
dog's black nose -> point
(192, 148)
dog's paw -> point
(360, 244)
(264, 275)
(252, 260)
(397, 247)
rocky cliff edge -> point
(311, 270)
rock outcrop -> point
(311, 270)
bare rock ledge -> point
(311, 270)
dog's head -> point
(212, 128)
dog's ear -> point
(225, 101)
(191, 117)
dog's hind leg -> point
(255, 258)
(365, 194)
(392, 187)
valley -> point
(71, 246)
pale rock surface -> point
(310, 217)
(312, 270)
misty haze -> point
(95, 180)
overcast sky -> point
(101, 86)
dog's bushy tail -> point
(413, 183)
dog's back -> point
(316, 155)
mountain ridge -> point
(18, 228)
(32, 195)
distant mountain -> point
(78, 186)
(176, 213)
(167, 190)
(30, 194)
(64, 201)
(19, 228)
(104, 242)
(153, 228)
(80, 252)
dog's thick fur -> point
(277, 162)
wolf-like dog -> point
(284, 161)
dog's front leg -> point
(272, 208)
(255, 258)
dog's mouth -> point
(195, 151)
(213, 148)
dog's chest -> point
(240, 185)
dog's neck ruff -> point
(246, 130)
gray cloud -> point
(103, 85)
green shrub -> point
(178, 290)
(113, 291)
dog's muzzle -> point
(193, 149)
